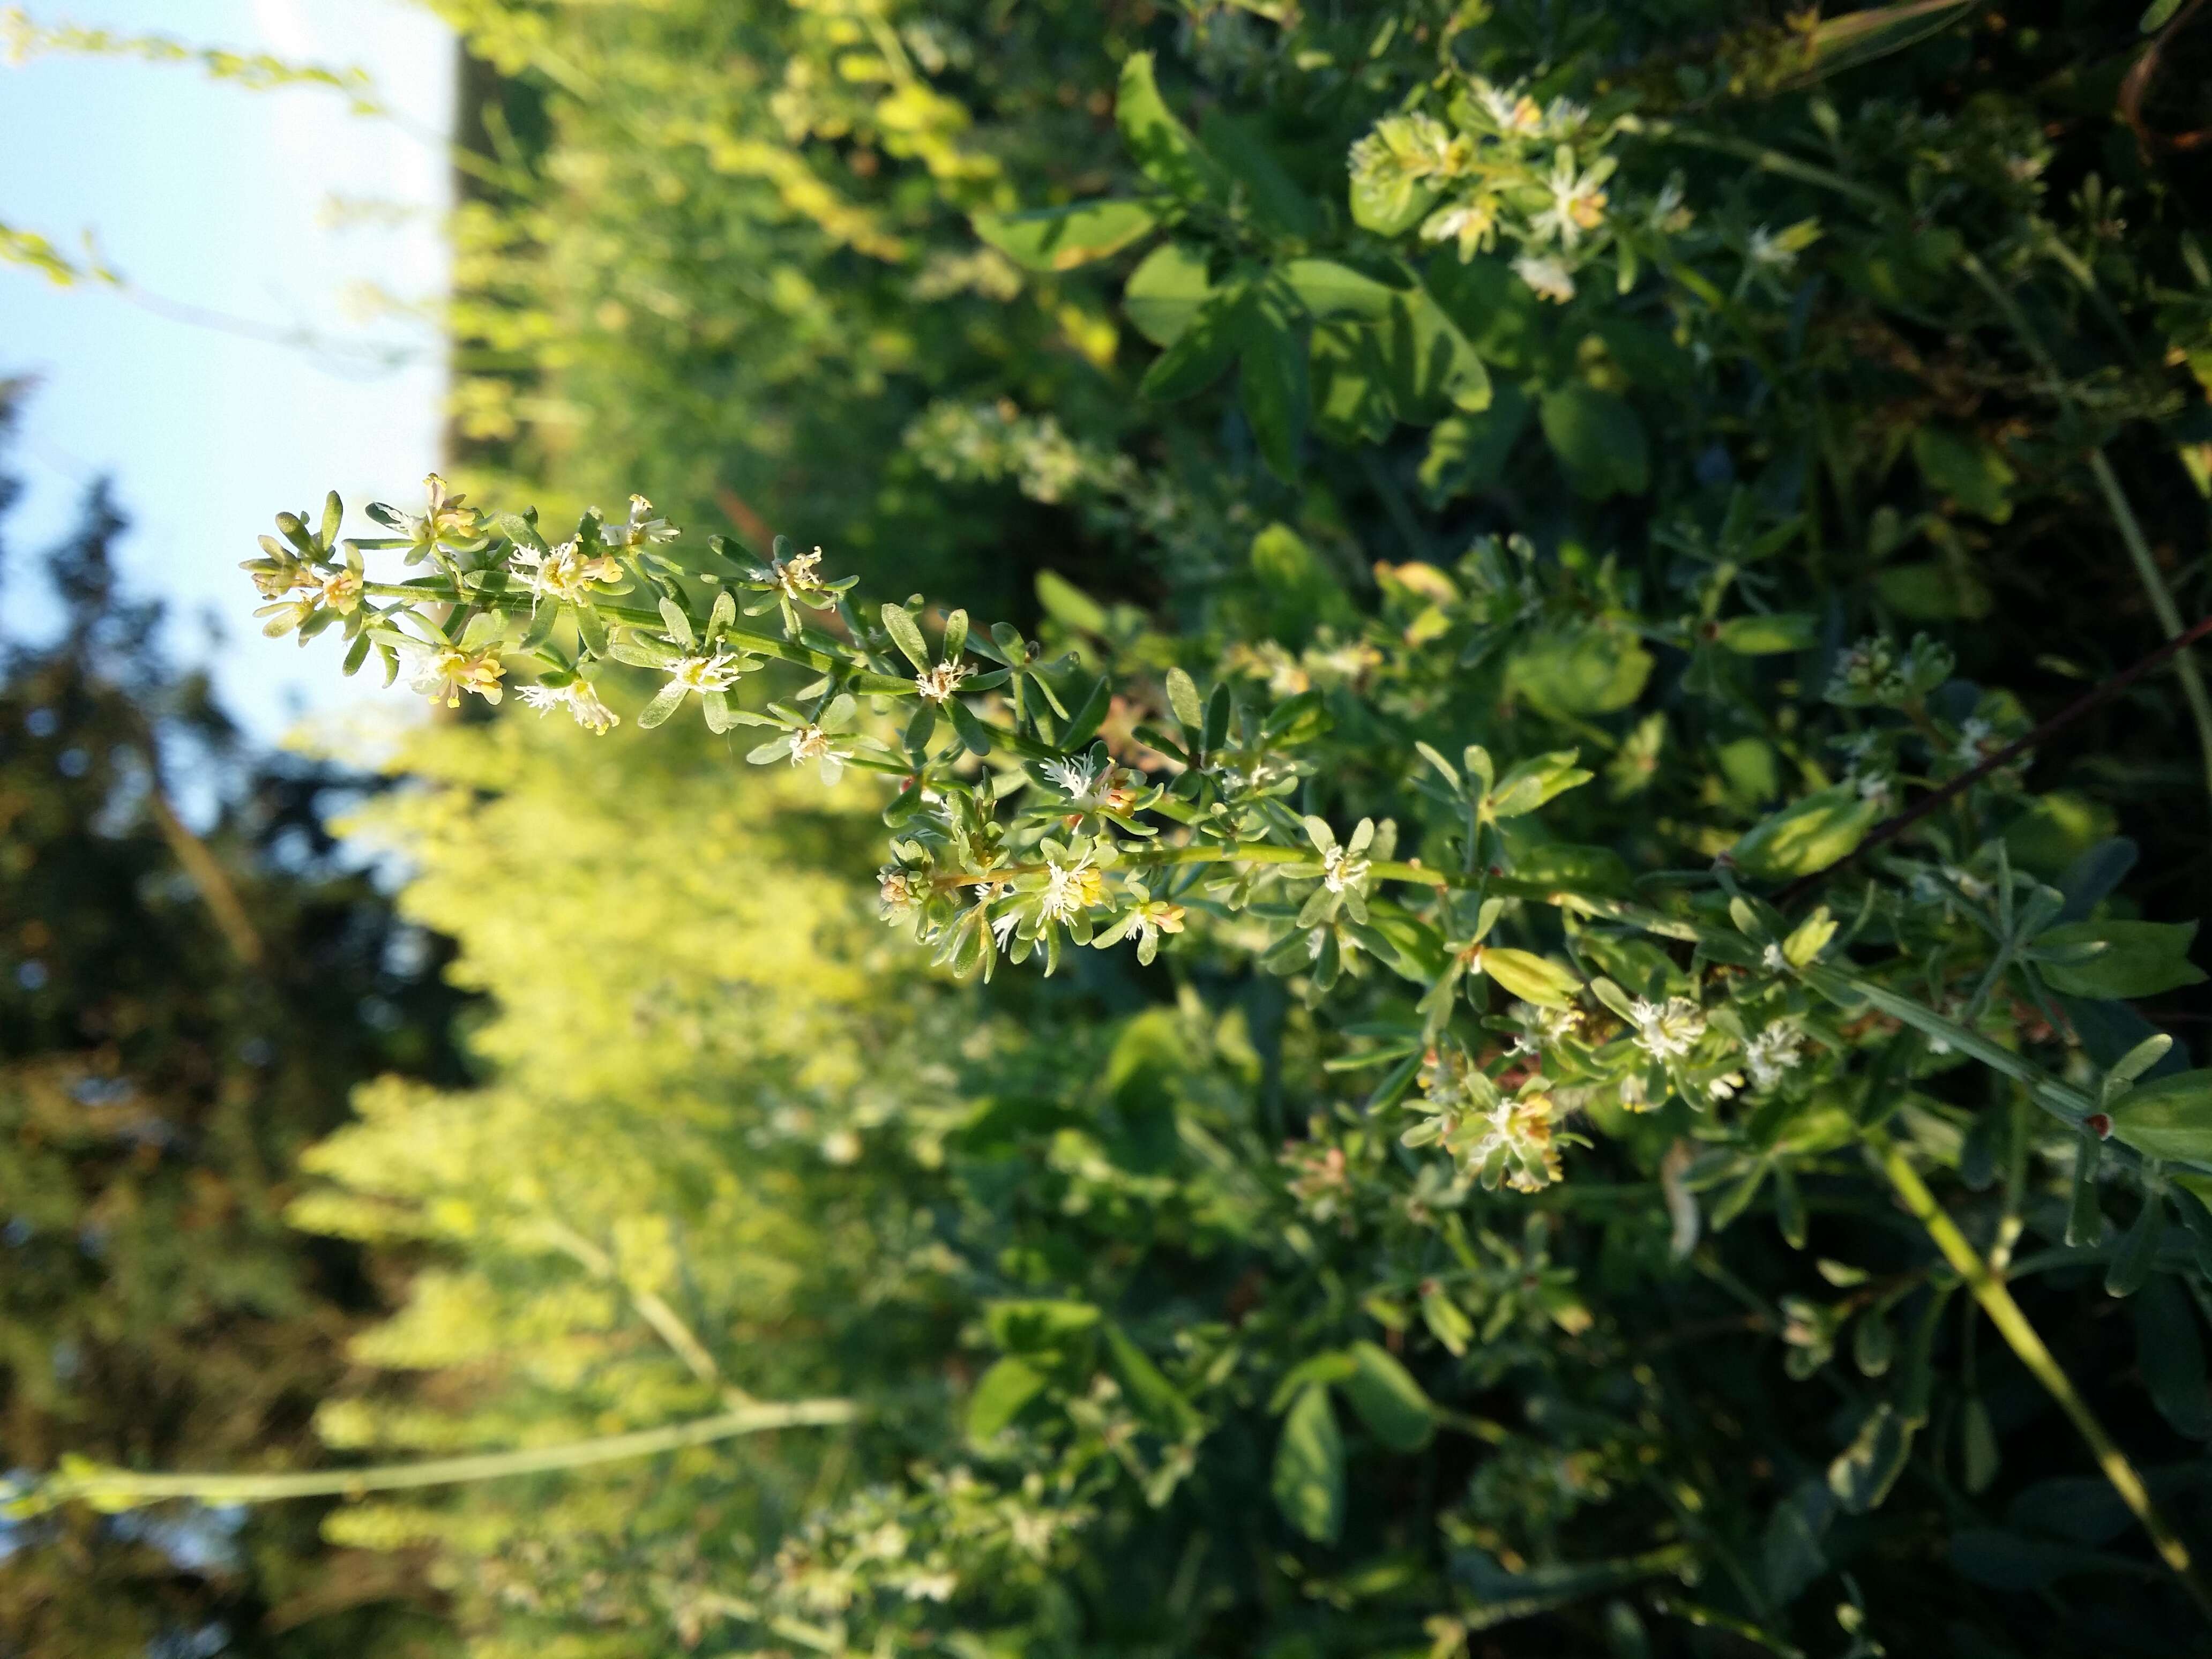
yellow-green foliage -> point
(631, 1219)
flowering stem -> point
(121, 1488)
(1988, 1289)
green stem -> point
(2161, 602)
(1989, 1290)
(122, 1488)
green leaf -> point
(1599, 440)
(1315, 1370)
(965, 721)
(1430, 368)
(1330, 290)
(1166, 291)
(1763, 636)
(1387, 1401)
(999, 1395)
(1159, 142)
(2117, 959)
(1807, 835)
(1038, 1327)
(1862, 1475)
(1585, 668)
(1530, 977)
(663, 704)
(1934, 590)
(2131, 1267)
(1308, 1481)
(1535, 782)
(1791, 1556)
(1843, 42)
(2170, 1354)
(1492, 307)
(2171, 1117)
(1156, 1401)
(1062, 238)
(520, 531)
(1183, 697)
(1969, 470)
(1069, 605)
(1468, 453)
(906, 634)
(1201, 351)
(2159, 15)
(1277, 200)
(1274, 370)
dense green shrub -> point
(1612, 1053)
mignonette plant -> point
(1621, 887)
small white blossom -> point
(1669, 1030)
(798, 576)
(938, 683)
(1773, 960)
(443, 674)
(1973, 734)
(642, 527)
(1773, 1051)
(716, 672)
(1577, 203)
(1545, 276)
(1509, 109)
(581, 698)
(1074, 777)
(812, 743)
(1770, 252)
(1069, 890)
(1543, 1028)
(563, 574)
(1724, 1086)
(1339, 870)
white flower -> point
(1546, 276)
(1511, 111)
(1774, 1051)
(443, 674)
(1973, 734)
(812, 743)
(1770, 252)
(1564, 117)
(1003, 925)
(1876, 788)
(1665, 1030)
(1473, 224)
(1634, 1096)
(1773, 960)
(641, 528)
(1577, 203)
(931, 1586)
(1069, 890)
(579, 697)
(1339, 870)
(1543, 1028)
(717, 672)
(939, 684)
(798, 576)
(563, 574)
(842, 1146)
(1073, 776)
(1724, 1086)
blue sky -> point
(211, 197)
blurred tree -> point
(181, 1011)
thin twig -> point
(1890, 828)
